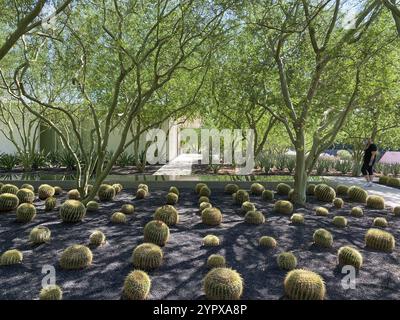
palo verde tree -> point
(108, 65)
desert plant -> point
(97, 238)
(117, 187)
(141, 194)
(92, 206)
(118, 217)
(257, 189)
(396, 211)
(349, 256)
(291, 195)
(231, 188)
(247, 206)
(137, 285)
(302, 284)
(9, 188)
(342, 190)
(240, 196)
(144, 187)
(74, 194)
(67, 160)
(28, 186)
(283, 189)
(211, 241)
(76, 257)
(11, 257)
(51, 292)
(380, 240)
(254, 217)
(8, 161)
(128, 208)
(383, 180)
(267, 195)
(393, 182)
(356, 212)
(310, 189)
(147, 256)
(167, 214)
(223, 284)
(216, 261)
(267, 242)
(198, 187)
(157, 232)
(172, 198)
(58, 190)
(204, 205)
(205, 191)
(39, 234)
(338, 203)
(321, 211)
(26, 212)
(325, 193)
(286, 261)
(25, 196)
(339, 221)
(8, 202)
(380, 222)
(375, 202)
(50, 204)
(72, 211)
(203, 199)
(211, 216)
(323, 238)
(297, 218)
(357, 194)
(174, 190)
(344, 166)
(283, 206)
(45, 191)
(106, 192)
(344, 155)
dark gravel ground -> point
(180, 276)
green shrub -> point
(297, 218)
(137, 285)
(342, 190)
(286, 261)
(396, 211)
(106, 192)
(118, 217)
(205, 192)
(74, 194)
(380, 240)
(58, 190)
(147, 256)
(8, 202)
(141, 194)
(25, 196)
(76, 257)
(211, 241)
(9, 188)
(127, 209)
(321, 211)
(97, 238)
(11, 257)
(28, 186)
(254, 217)
(92, 206)
(231, 188)
(267, 195)
(302, 284)
(325, 193)
(339, 221)
(45, 191)
(204, 205)
(380, 222)
(349, 256)
(310, 189)
(344, 155)
(156, 232)
(267, 242)
(283, 189)
(118, 187)
(198, 187)
(50, 203)
(323, 238)
(203, 199)
(172, 198)
(216, 261)
(39, 234)
(338, 203)
(174, 190)
(167, 214)
(257, 189)
(283, 206)
(26, 212)
(51, 292)
(211, 216)
(241, 196)
(375, 202)
(393, 182)
(357, 194)
(223, 284)
(247, 206)
(72, 211)
(356, 212)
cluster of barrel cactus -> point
(137, 285)
(303, 284)
(72, 211)
(325, 193)
(267, 195)
(106, 192)
(310, 191)
(350, 256)
(8, 202)
(172, 198)
(257, 189)
(118, 217)
(323, 238)
(26, 212)
(339, 221)
(74, 194)
(216, 261)
(204, 205)
(50, 203)
(267, 242)
(240, 196)
(247, 206)
(231, 188)
(168, 214)
(127, 208)
(147, 256)
(380, 222)
(342, 190)
(11, 257)
(211, 216)
(286, 261)
(25, 195)
(76, 257)
(283, 189)
(375, 202)
(45, 191)
(39, 234)
(321, 211)
(283, 206)
(380, 240)
(357, 194)
(223, 284)
(297, 218)
(51, 292)
(142, 191)
(92, 206)
(254, 217)
(211, 240)
(357, 212)
(97, 238)
(338, 203)
(156, 232)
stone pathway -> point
(391, 195)
(180, 166)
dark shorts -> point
(366, 169)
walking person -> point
(367, 169)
